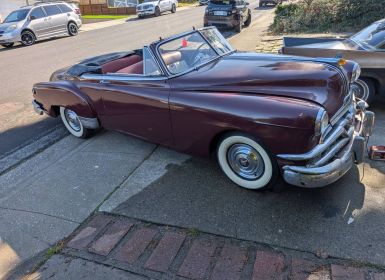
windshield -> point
(372, 37)
(17, 16)
(146, 1)
(190, 51)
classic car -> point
(367, 47)
(261, 115)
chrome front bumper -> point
(329, 161)
(38, 109)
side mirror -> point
(32, 17)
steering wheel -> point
(195, 58)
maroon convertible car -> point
(262, 115)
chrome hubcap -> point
(245, 161)
(72, 119)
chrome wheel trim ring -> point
(362, 90)
(245, 161)
(72, 120)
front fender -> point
(52, 95)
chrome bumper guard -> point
(37, 108)
(329, 161)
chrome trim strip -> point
(121, 77)
(320, 148)
(91, 123)
(37, 108)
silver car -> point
(156, 7)
(41, 21)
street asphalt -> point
(21, 67)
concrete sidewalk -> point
(46, 198)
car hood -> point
(294, 77)
(4, 26)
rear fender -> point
(52, 95)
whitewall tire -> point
(72, 123)
(246, 162)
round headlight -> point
(356, 73)
(322, 122)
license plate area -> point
(220, 13)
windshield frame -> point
(16, 11)
(196, 67)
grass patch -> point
(187, 4)
(193, 232)
(105, 16)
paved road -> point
(21, 67)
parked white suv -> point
(40, 21)
(151, 7)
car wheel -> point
(248, 21)
(157, 11)
(238, 27)
(27, 38)
(73, 124)
(9, 45)
(246, 162)
(365, 89)
(73, 29)
(173, 8)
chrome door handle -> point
(104, 82)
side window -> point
(37, 13)
(150, 66)
(64, 8)
(52, 10)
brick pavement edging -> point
(163, 252)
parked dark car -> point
(367, 47)
(261, 115)
(267, 2)
(227, 13)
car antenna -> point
(194, 28)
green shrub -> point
(327, 15)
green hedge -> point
(327, 15)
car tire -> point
(365, 89)
(73, 29)
(173, 8)
(157, 11)
(73, 124)
(248, 21)
(9, 45)
(27, 38)
(238, 27)
(246, 162)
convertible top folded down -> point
(95, 64)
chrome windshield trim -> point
(172, 75)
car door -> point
(38, 22)
(137, 104)
(57, 20)
(163, 5)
